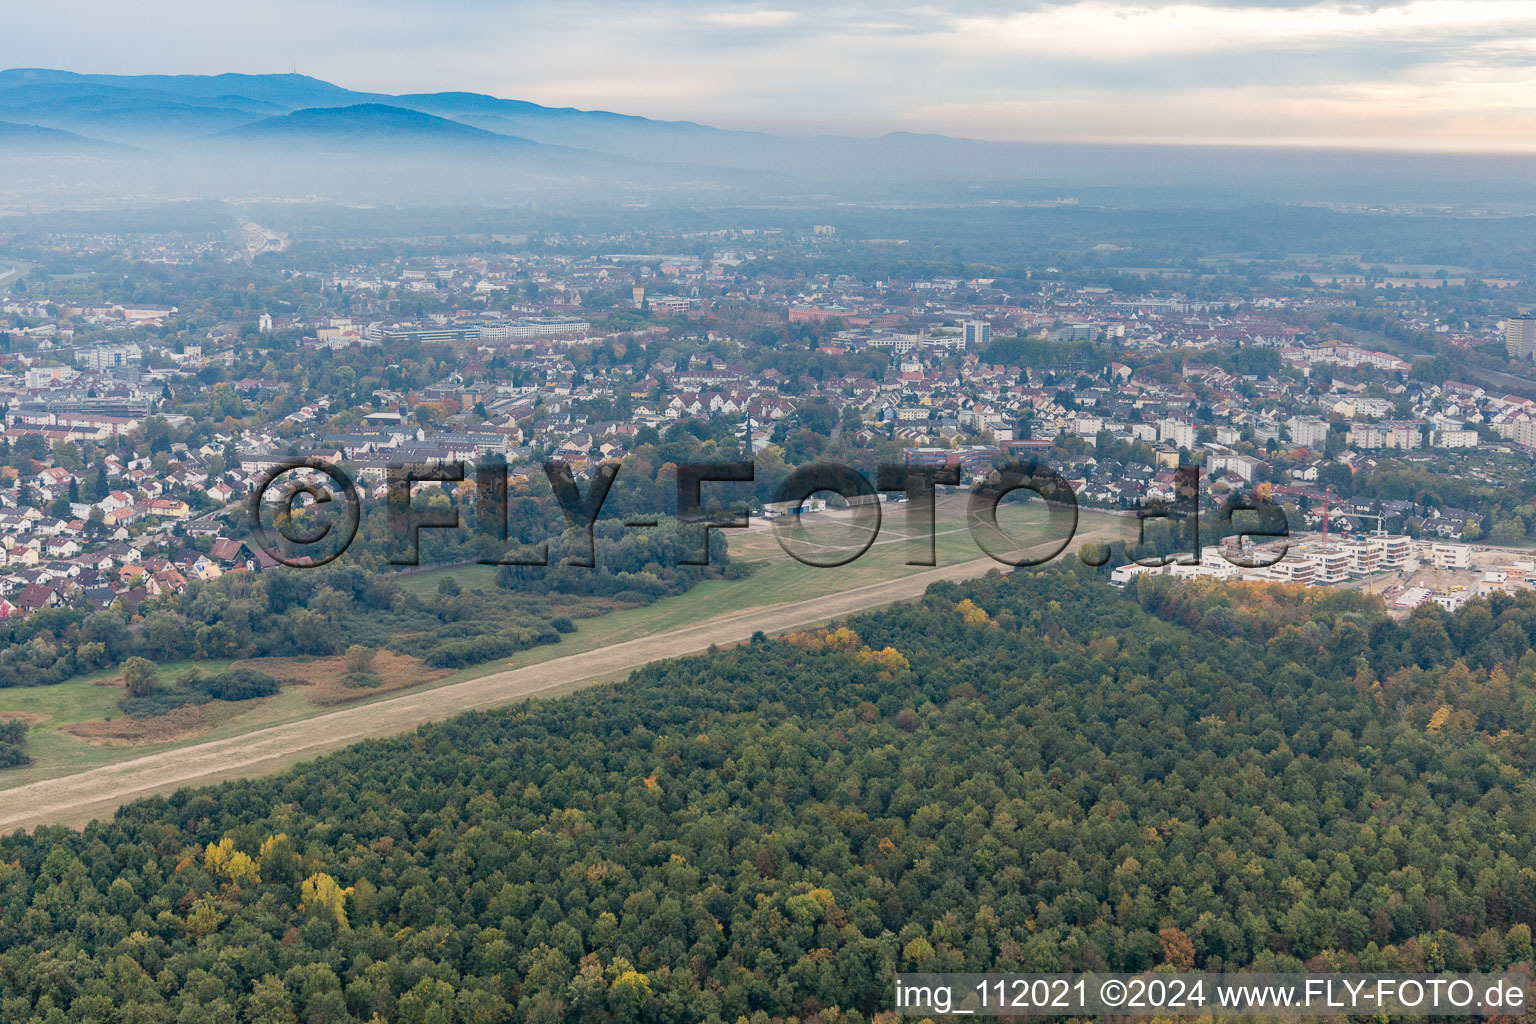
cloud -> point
(750, 19)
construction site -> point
(1405, 572)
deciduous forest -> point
(1029, 772)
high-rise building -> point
(1520, 337)
(978, 333)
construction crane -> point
(1381, 522)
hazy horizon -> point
(1425, 75)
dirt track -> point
(97, 792)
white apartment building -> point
(1368, 435)
(1455, 438)
(1176, 432)
(1245, 466)
(899, 343)
(1452, 600)
(1392, 553)
(1520, 432)
(1308, 430)
(1216, 569)
(1331, 564)
(1293, 568)
(43, 376)
(1520, 337)
(1087, 426)
(1446, 556)
(1364, 559)
(534, 327)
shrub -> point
(194, 688)
(13, 737)
(459, 653)
(360, 659)
(238, 684)
(162, 702)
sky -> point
(1420, 74)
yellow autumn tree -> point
(631, 986)
(320, 894)
(216, 857)
(888, 659)
(973, 614)
(223, 860)
(242, 870)
(840, 639)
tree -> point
(360, 659)
(1507, 532)
(322, 895)
(225, 402)
(139, 676)
(269, 1003)
(31, 448)
(66, 455)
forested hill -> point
(1025, 773)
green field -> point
(777, 578)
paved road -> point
(97, 792)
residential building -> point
(1520, 337)
(978, 334)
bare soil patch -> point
(325, 678)
(128, 731)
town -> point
(1390, 405)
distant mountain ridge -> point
(485, 143)
(186, 105)
(373, 121)
(289, 91)
(170, 111)
(37, 139)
